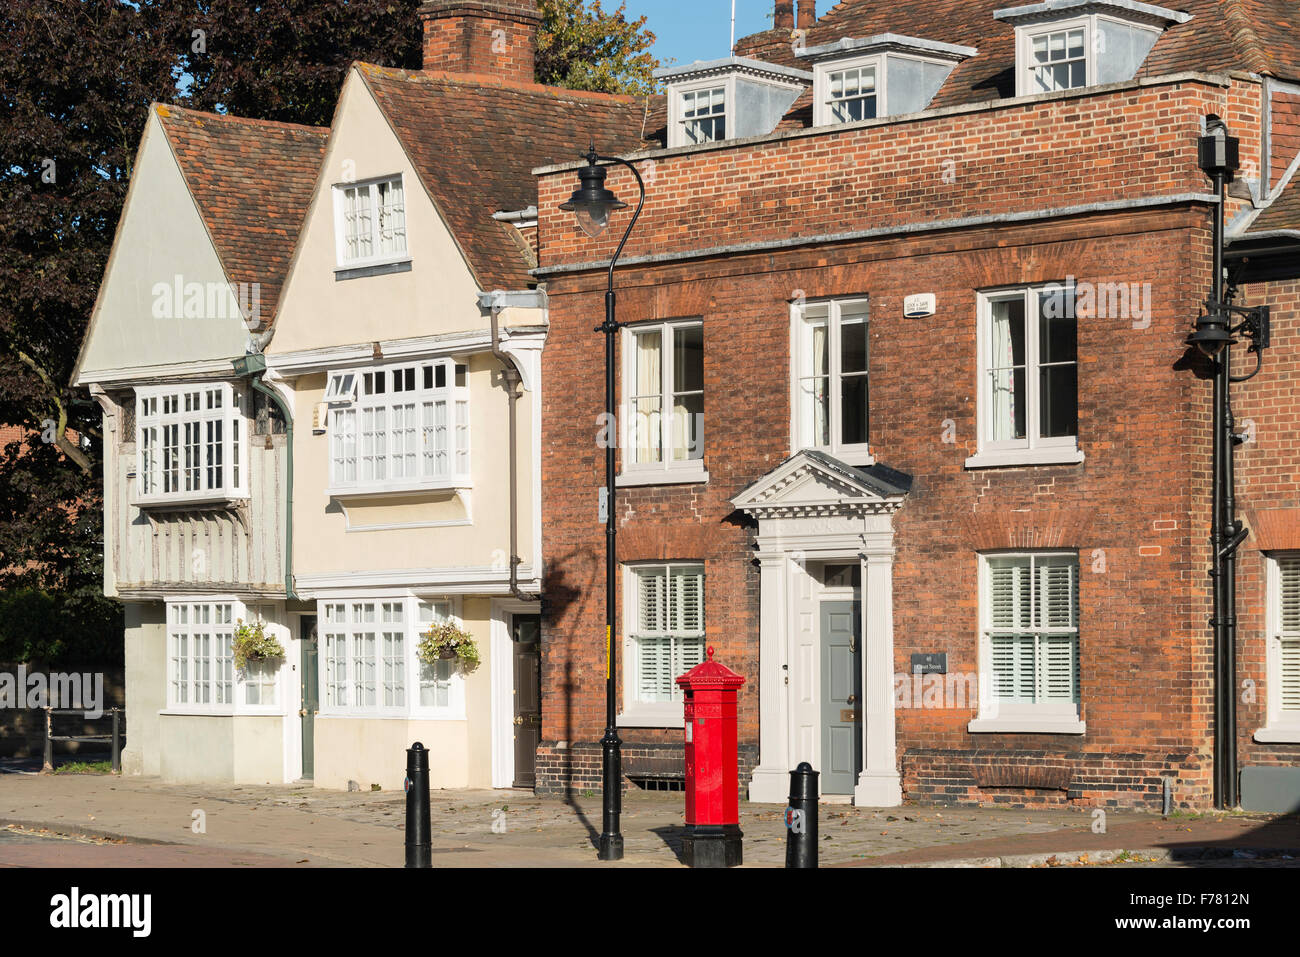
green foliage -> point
(445, 636)
(57, 629)
(252, 643)
(582, 47)
(84, 767)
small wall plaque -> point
(919, 305)
(932, 663)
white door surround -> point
(814, 508)
(503, 687)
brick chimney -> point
(783, 19)
(497, 37)
(807, 14)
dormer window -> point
(704, 115)
(1070, 44)
(711, 101)
(883, 75)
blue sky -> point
(689, 30)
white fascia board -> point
(1050, 9)
(319, 360)
(886, 42)
(158, 375)
(702, 69)
(467, 580)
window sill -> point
(1028, 724)
(1279, 734)
(662, 477)
(246, 712)
(672, 717)
(1015, 457)
(397, 488)
(381, 267)
(180, 503)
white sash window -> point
(1029, 642)
(399, 427)
(665, 640)
(371, 221)
(201, 673)
(830, 403)
(1283, 651)
(663, 382)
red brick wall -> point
(1136, 510)
(996, 161)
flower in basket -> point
(445, 640)
(252, 643)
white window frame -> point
(858, 453)
(239, 679)
(1042, 717)
(340, 230)
(152, 413)
(1283, 726)
(349, 405)
(676, 106)
(410, 708)
(1033, 449)
(667, 470)
(823, 69)
(1025, 35)
(652, 714)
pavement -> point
(89, 820)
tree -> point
(583, 48)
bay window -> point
(370, 665)
(189, 443)
(1029, 643)
(399, 427)
(663, 383)
(830, 403)
(201, 673)
(665, 639)
(1028, 389)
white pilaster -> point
(879, 784)
(771, 779)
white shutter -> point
(1013, 667)
(654, 669)
(687, 613)
(1059, 668)
(1008, 594)
(1057, 598)
(1289, 618)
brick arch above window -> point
(1037, 529)
(1274, 529)
(666, 542)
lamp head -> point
(591, 203)
(1211, 333)
(1217, 152)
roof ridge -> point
(497, 82)
(165, 110)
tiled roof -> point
(252, 181)
(1261, 36)
(474, 140)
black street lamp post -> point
(1213, 336)
(591, 204)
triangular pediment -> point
(814, 483)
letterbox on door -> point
(713, 835)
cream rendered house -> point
(194, 464)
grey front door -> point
(527, 633)
(841, 697)
(310, 695)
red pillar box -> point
(713, 836)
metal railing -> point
(115, 737)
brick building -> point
(909, 430)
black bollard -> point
(419, 846)
(801, 818)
